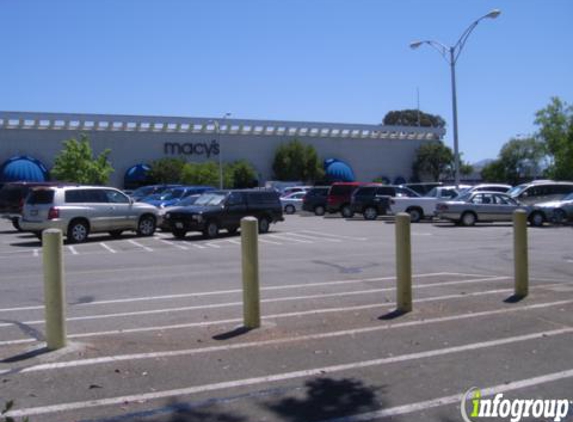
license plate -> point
(34, 213)
(179, 225)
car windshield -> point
(190, 200)
(515, 191)
(568, 197)
(211, 199)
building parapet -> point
(127, 123)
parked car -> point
(559, 212)
(541, 191)
(372, 200)
(144, 191)
(315, 200)
(224, 210)
(339, 198)
(489, 187)
(185, 202)
(13, 196)
(425, 206)
(477, 207)
(81, 210)
(292, 189)
(422, 188)
(292, 202)
(173, 196)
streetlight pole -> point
(218, 134)
(451, 55)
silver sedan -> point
(477, 207)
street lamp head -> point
(493, 14)
(416, 44)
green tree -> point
(432, 159)
(296, 161)
(518, 160)
(244, 175)
(413, 118)
(76, 163)
(166, 170)
(556, 131)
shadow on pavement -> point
(327, 398)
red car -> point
(339, 196)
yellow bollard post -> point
(54, 293)
(403, 263)
(520, 253)
(250, 263)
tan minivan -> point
(81, 210)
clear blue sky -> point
(304, 60)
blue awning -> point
(23, 168)
(136, 176)
(338, 171)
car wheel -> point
(347, 212)
(559, 216)
(211, 230)
(370, 213)
(146, 226)
(264, 225)
(289, 209)
(179, 234)
(78, 231)
(115, 233)
(415, 215)
(319, 210)
(468, 219)
(537, 219)
(16, 224)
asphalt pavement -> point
(155, 326)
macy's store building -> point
(30, 141)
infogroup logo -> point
(512, 409)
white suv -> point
(81, 210)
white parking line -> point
(305, 373)
(139, 245)
(286, 238)
(298, 315)
(240, 303)
(261, 343)
(455, 398)
(108, 248)
(297, 286)
(36, 253)
(320, 234)
(270, 242)
(173, 244)
(73, 250)
(213, 245)
(233, 241)
(304, 236)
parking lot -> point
(154, 325)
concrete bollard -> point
(250, 263)
(403, 263)
(520, 253)
(54, 290)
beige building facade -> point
(372, 151)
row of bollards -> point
(54, 291)
(404, 259)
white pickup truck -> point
(422, 207)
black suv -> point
(315, 200)
(12, 196)
(224, 210)
(374, 200)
